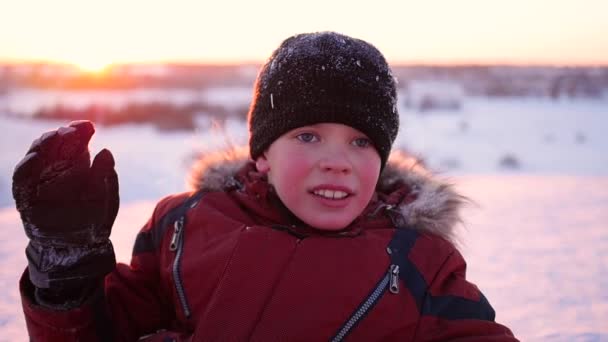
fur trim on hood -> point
(435, 208)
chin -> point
(328, 224)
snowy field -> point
(536, 241)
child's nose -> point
(335, 162)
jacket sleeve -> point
(128, 304)
(87, 322)
(454, 309)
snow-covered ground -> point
(543, 136)
(536, 242)
(537, 245)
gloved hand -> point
(67, 206)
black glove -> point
(67, 207)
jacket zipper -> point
(390, 281)
(176, 245)
(394, 275)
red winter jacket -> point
(229, 263)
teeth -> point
(331, 194)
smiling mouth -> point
(331, 194)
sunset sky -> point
(97, 33)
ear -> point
(262, 164)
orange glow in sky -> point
(93, 34)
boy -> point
(316, 237)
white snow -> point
(537, 246)
(536, 242)
(541, 134)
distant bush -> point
(427, 96)
(549, 138)
(463, 126)
(432, 103)
(509, 161)
(580, 137)
(450, 164)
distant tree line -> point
(477, 80)
(513, 81)
(164, 116)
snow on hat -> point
(324, 77)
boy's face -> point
(325, 173)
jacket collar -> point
(406, 193)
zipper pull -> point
(394, 279)
(177, 230)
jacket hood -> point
(423, 202)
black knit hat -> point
(324, 77)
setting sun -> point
(92, 66)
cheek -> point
(369, 179)
(286, 172)
(369, 172)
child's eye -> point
(362, 142)
(306, 137)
